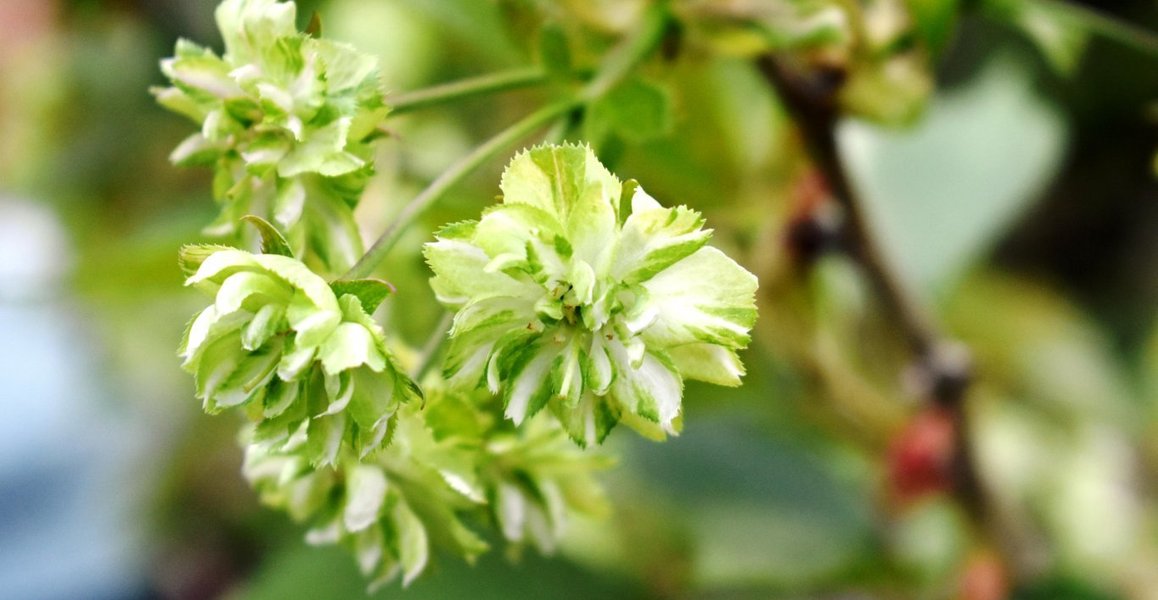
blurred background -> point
(1009, 171)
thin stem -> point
(456, 173)
(628, 55)
(618, 64)
(1100, 23)
(466, 88)
(433, 344)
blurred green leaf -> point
(636, 110)
(761, 511)
(1060, 34)
(934, 21)
(940, 193)
(300, 571)
(554, 52)
(1032, 342)
(931, 539)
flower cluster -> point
(285, 120)
(448, 461)
(311, 366)
(583, 294)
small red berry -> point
(920, 458)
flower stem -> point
(466, 88)
(1099, 23)
(456, 173)
(617, 65)
(629, 54)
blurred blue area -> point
(69, 479)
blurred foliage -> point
(1018, 197)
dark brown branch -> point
(942, 367)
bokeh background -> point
(1020, 204)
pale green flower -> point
(389, 509)
(450, 463)
(308, 364)
(536, 480)
(585, 295)
(285, 120)
(533, 478)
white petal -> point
(365, 493)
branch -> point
(810, 95)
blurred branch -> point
(466, 88)
(811, 98)
(943, 367)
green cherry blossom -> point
(285, 120)
(451, 462)
(389, 509)
(583, 294)
(310, 366)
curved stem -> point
(628, 55)
(1109, 27)
(456, 173)
(466, 88)
(617, 65)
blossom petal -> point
(705, 297)
(654, 238)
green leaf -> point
(345, 67)
(272, 241)
(554, 51)
(636, 110)
(249, 25)
(557, 179)
(239, 287)
(195, 150)
(526, 386)
(588, 421)
(942, 192)
(934, 21)
(1060, 34)
(707, 362)
(373, 397)
(370, 292)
